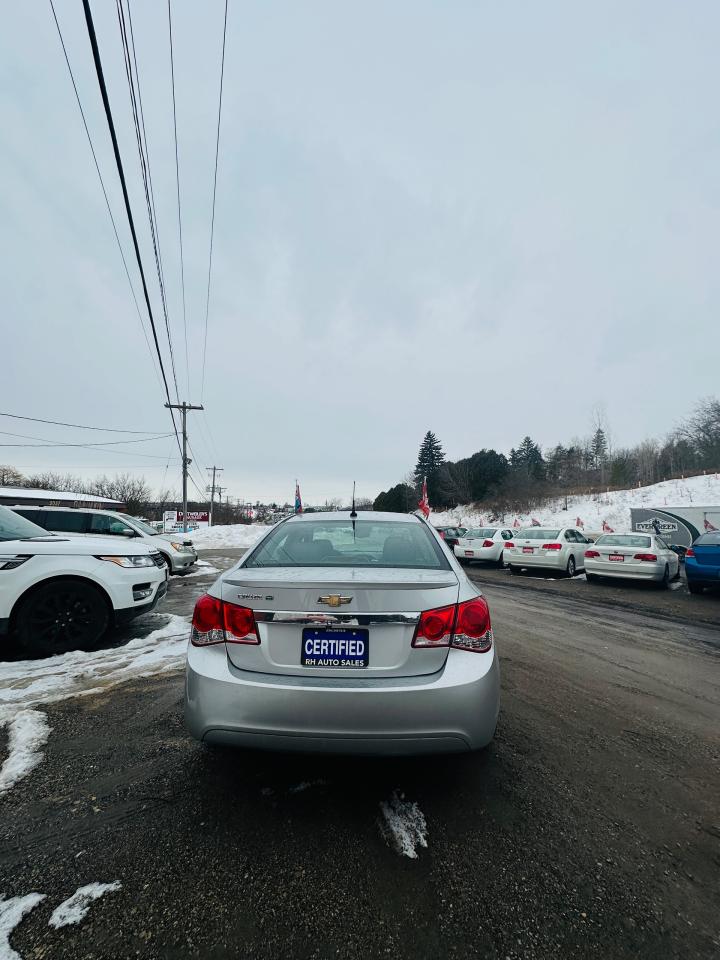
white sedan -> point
(561, 549)
(483, 543)
(636, 556)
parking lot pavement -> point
(589, 829)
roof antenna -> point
(353, 512)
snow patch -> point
(233, 535)
(77, 907)
(306, 785)
(28, 731)
(403, 825)
(27, 683)
(11, 913)
(207, 568)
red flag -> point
(607, 528)
(298, 499)
(579, 523)
(708, 525)
(423, 502)
(535, 523)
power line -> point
(128, 44)
(52, 443)
(212, 222)
(102, 184)
(128, 210)
(79, 426)
(177, 181)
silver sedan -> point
(345, 634)
(632, 556)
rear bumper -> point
(478, 553)
(452, 711)
(624, 571)
(541, 561)
(705, 573)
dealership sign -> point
(173, 520)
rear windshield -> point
(537, 533)
(622, 540)
(708, 540)
(334, 543)
(478, 532)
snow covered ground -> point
(234, 535)
(613, 507)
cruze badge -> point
(333, 600)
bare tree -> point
(10, 477)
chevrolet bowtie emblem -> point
(333, 600)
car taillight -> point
(240, 626)
(473, 630)
(217, 622)
(689, 552)
(207, 622)
(552, 546)
(509, 543)
(589, 554)
(488, 543)
(465, 626)
(435, 627)
(650, 557)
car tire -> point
(695, 587)
(501, 562)
(592, 578)
(513, 569)
(166, 561)
(571, 568)
(665, 582)
(59, 616)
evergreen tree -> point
(398, 499)
(430, 459)
(599, 447)
(528, 459)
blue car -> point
(702, 562)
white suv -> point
(175, 548)
(60, 594)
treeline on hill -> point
(516, 483)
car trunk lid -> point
(296, 606)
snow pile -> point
(403, 825)
(77, 907)
(28, 731)
(234, 535)
(11, 913)
(27, 683)
(613, 507)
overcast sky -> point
(477, 218)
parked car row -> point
(566, 550)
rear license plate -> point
(323, 647)
(469, 553)
(527, 549)
(616, 558)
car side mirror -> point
(127, 533)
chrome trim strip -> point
(348, 619)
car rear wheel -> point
(501, 562)
(570, 569)
(60, 616)
(694, 587)
(513, 569)
(663, 584)
(592, 578)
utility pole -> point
(183, 408)
(212, 488)
(220, 493)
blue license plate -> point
(323, 647)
